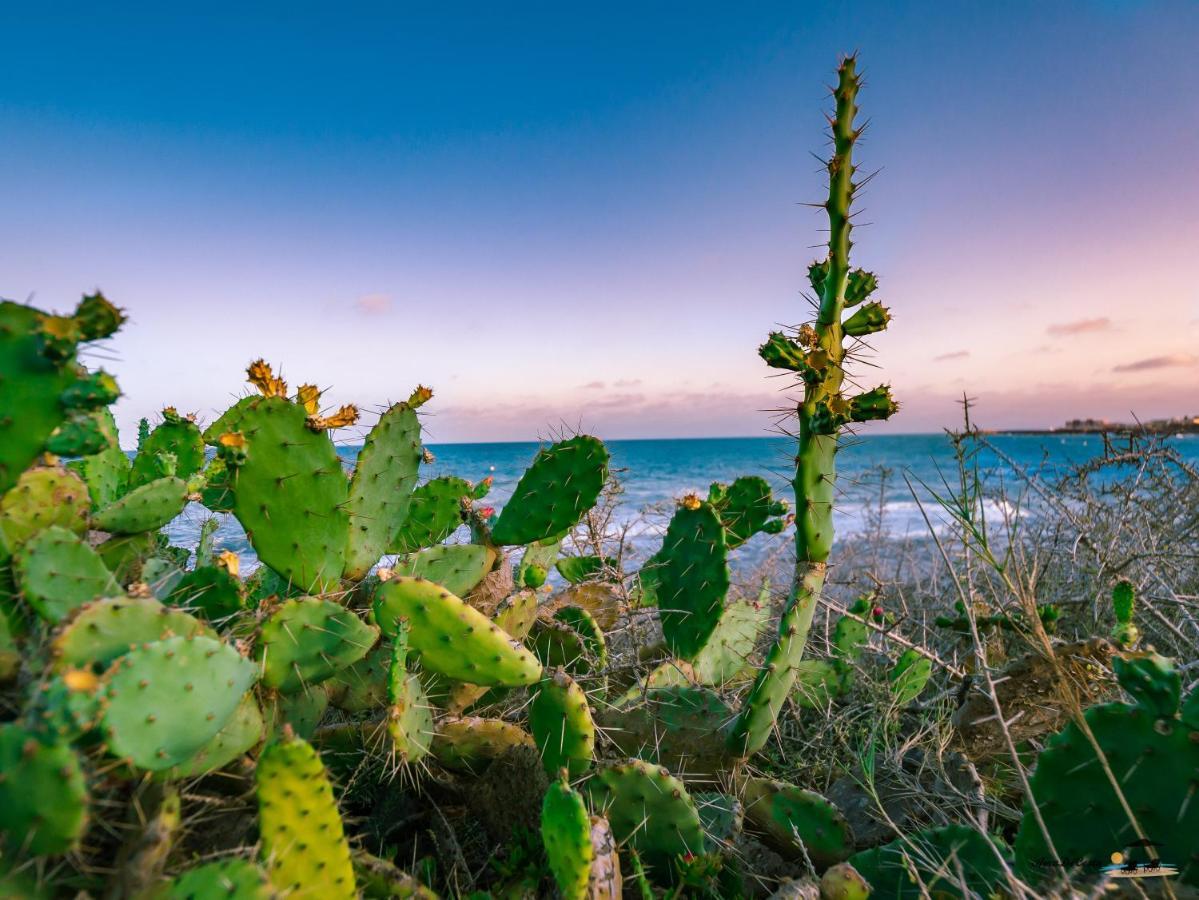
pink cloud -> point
(1170, 361)
(1080, 326)
(957, 354)
(373, 304)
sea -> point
(887, 484)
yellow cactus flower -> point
(229, 561)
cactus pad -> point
(470, 742)
(560, 721)
(692, 577)
(456, 567)
(43, 797)
(726, 654)
(290, 492)
(566, 835)
(229, 879)
(164, 701)
(43, 497)
(241, 734)
(362, 685)
(453, 639)
(581, 569)
(381, 489)
(437, 509)
(212, 590)
(555, 492)
(175, 435)
(303, 841)
(942, 858)
(678, 726)
(909, 676)
(747, 507)
(103, 630)
(144, 508)
(409, 715)
(795, 820)
(106, 473)
(307, 640)
(649, 809)
(57, 572)
(301, 712)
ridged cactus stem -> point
(821, 414)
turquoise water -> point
(658, 471)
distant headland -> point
(1178, 425)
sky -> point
(567, 216)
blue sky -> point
(593, 217)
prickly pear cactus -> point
(57, 572)
(240, 734)
(43, 797)
(176, 435)
(649, 809)
(228, 879)
(437, 509)
(456, 567)
(747, 507)
(99, 632)
(797, 821)
(106, 473)
(566, 834)
(307, 640)
(44, 496)
(144, 508)
(692, 577)
(1152, 754)
(165, 700)
(560, 720)
(470, 743)
(38, 371)
(726, 654)
(452, 638)
(934, 863)
(555, 492)
(289, 490)
(304, 847)
(212, 590)
(678, 726)
(383, 482)
(1124, 599)
(409, 714)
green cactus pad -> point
(217, 493)
(212, 590)
(456, 567)
(692, 578)
(517, 613)
(453, 639)
(580, 569)
(10, 650)
(379, 879)
(600, 600)
(31, 385)
(470, 743)
(566, 835)
(844, 882)
(726, 654)
(722, 817)
(307, 640)
(382, 486)
(57, 572)
(819, 681)
(100, 631)
(126, 555)
(794, 820)
(82, 434)
(304, 847)
(43, 497)
(556, 644)
(175, 435)
(144, 508)
(301, 712)
(1151, 681)
(164, 701)
(106, 473)
(537, 560)
(672, 673)
(362, 685)
(650, 810)
(240, 735)
(680, 727)
(436, 511)
(66, 708)
(1153, 757)
(560, 721)
(747, 507)
(941, 858)
(43, 797)
(585, 625)
(555, 492)
(228, 879)
(290, 493)
(909, 676)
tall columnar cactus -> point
(817, 355)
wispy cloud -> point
(593, 386)
(1079, 326)
(1169, 361)
(627, 382)
(373, 304)
(956, 354)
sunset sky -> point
(557, 217)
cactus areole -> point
(816, 353)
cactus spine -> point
(817, 355)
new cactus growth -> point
(555, 492)
(304, 847)
(176, 435)
(307, 640)
(817, 354)
(410, 715)
(747, 507)
(437, 509)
